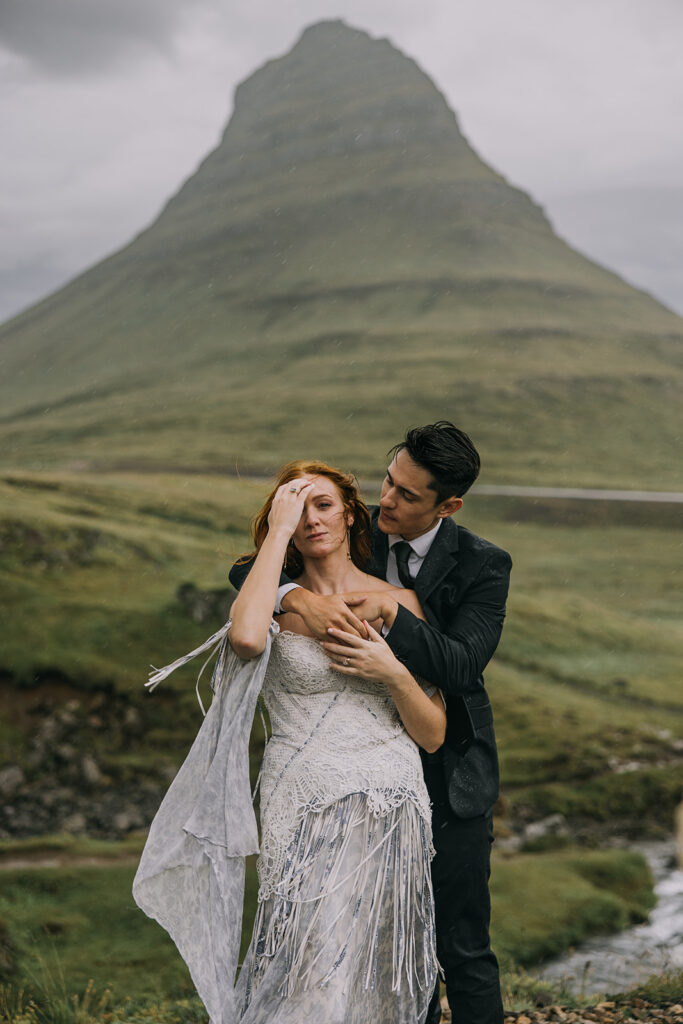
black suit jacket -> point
(462, 587)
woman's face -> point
(322, 528)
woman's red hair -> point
(354, 508)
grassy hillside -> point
(585, 682)
(341, 265)
(584, 687)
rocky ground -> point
(93, 762)
(80, 771)
(608, 1012)
(629, 1011)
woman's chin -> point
(320, 549)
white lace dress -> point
(344, 930)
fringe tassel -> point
(216, 643)
(387, 902)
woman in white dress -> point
(344, 930)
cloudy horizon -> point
(107, 108)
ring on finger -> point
(346, 663)
(293, 490)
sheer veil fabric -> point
(344, 927)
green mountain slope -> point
(343, 264)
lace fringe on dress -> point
(386, 896)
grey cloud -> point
(75, 37)
(562, 99)
(637, 231)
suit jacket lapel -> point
(439, 561)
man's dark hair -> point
(446, 453)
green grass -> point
(81, 924)
(545, 903)
(585, 684)
(106, 617)
(72, 846)
(84, 924)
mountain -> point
(341, 265)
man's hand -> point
(321, 612)
(373, 606)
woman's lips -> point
(315, 536)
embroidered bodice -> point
(332, 735)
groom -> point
(461, 581)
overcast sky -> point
(106, 106)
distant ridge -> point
(341, 265)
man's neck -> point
(414, 536)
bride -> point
(344, 930)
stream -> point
(615, 963)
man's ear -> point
(448, 507)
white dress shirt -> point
(420, 549)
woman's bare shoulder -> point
(292, 623)
(408, 598)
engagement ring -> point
(345, 662)
(293, 490)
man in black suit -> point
(461, 581)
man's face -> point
(408, 505)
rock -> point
(553, 825)
(11, 779)
(510, 843)
(75, 824)
(91, 770)
(67, 715)
(132, 720)
(49, 731)
(169, 772)
(202, 605)
(66, 752)
(128, 819)
(65, 795)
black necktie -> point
(403, 551)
